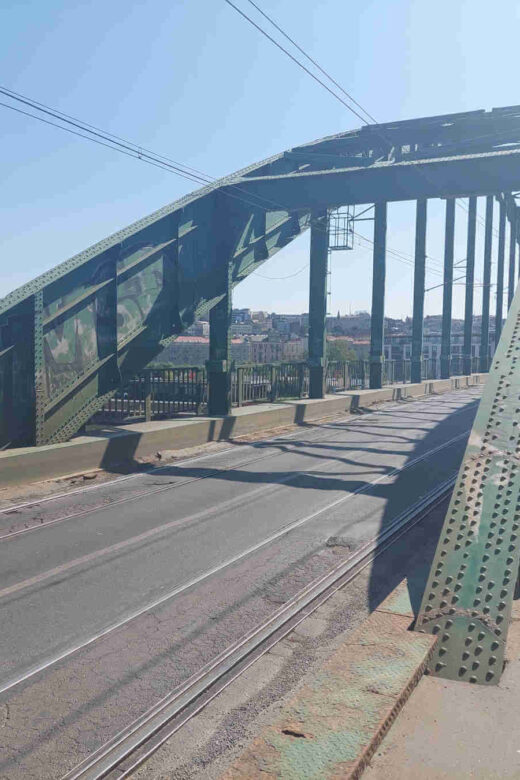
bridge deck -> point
(123, 592)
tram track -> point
(213, 473)
(176, 591)
(133, 745)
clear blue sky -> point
(192, 80)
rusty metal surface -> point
(331, 729)
(468, 598)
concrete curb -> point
(115, 446)
(336, 723)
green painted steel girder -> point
(378, 296)
(70, 337)
(468, 598)
(319, 256)
(465, 175)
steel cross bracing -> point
(69, 338)
(468, 598)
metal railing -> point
(160, 393)
(157, 393)
(268, 382)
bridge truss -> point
(74, 335)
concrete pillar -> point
(219, 363)
(500, 271)
(418, 291)
(470, 280)
(378, 297)
(319, 257)
(484, 332)
(447, 294)
(512, 255)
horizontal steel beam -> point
(476, 174)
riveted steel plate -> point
(469, 594)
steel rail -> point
(157, 469)
(286, 529)
(239, 656)
(163, 488)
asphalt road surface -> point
(112, 596)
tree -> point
(340, 350)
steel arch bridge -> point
(71, 337)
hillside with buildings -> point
(269, 337)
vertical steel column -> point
(418, 291)
(512, 254)
(470, 279)
(39, 371)
(447, 294)
(378, 297)
(319, 256)
(484, 331)
(499, 313)
(219, 390)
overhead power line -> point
(296, 61)
(97, 135)
(316, 64)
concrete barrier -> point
(112, 447)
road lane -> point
(72, 606)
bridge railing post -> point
(147, 395)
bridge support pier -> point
(219, 363)
(418, 291)
(512, 255)
(319, 256)
(485, 358)
(470, 279)
(378, 297)
(447, 290)
(499, 312)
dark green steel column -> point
(39, 371)
(484, 331)
(499, 312)
(378, 297)
(219, 393)
(470, 280)
(447, 294)
(418, 291)
(512, 254)
(319, 256)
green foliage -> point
(340, 350)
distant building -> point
(399, 347)
(294, 349)
(199, 328)
(266, 351)
(194, 351)
(241, 315)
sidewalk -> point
(370, 711)
(452, 730)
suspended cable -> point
(296, 61)
(316, 64)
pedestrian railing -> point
(157, 394)
(161, 393)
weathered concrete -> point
(451, 730)
(332, 728)
(116, 445)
